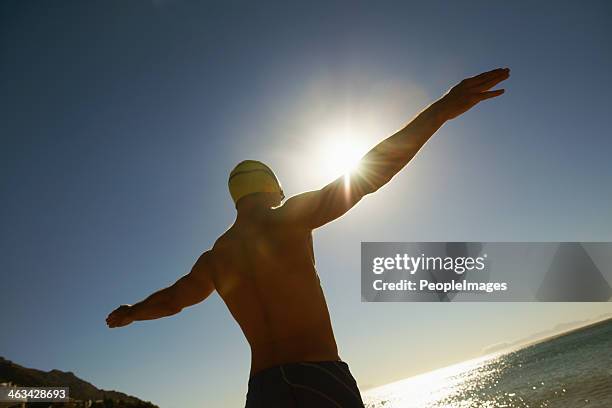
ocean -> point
(568, 371)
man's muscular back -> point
(264, 269)
(263, 266)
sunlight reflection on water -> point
(570, 371)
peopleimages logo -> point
(413, 264)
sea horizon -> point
(502, 378)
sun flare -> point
(339, 157)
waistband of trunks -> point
(272, 371)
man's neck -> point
(249, 210)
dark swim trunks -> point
(320, 384)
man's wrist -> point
(437, 113)
(131, 312)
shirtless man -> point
(263, 266)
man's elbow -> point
(176, 309)
(368, 181)
(372, 186)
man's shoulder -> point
(299, 210)
(223, 243)
(225, 239)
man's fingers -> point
(112, 318)
(118, 317)
(490, 94)
(112, 323)
(487, 74)
(489, 79)
(491, 82)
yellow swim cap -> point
(252, 176)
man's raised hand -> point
(119, 317)
(467, 93)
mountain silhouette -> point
(79, 389)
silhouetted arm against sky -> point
(192, 288)
(386, 159)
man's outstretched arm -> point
(316, 208)
(192, 288)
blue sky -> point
(121, 120)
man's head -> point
(255, 180)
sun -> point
(339, 156)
